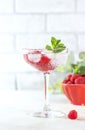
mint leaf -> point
(61, 45)
(81, 70)
(56, 46)
(78, 69)
(58, 41)
(81, 63)
(82, 55)
(75, 68)
(48, 47)
(53, 42)
(58, 49)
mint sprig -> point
(79, 67)
(56, 45)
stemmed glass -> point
(45, 61)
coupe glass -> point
(45, 61)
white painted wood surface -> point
(15, 106)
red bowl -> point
(75, 93)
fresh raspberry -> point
(69, 77)
(69, 82)
(65, 81)
(44, 64)
(72, 115)
(80, 80)
(44, 59)
(75, 76)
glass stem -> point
(46, 81)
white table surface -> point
(15, 106)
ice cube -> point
(34, 57)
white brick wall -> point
(65, 23)
(31, 23)
(21, 23)
(30, 81)
(6, 43)
(81, 42)
(44, 6)
(81, 5)
(7, 81)
(6, 6)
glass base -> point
(49, 114)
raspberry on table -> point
(73, 115)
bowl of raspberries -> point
(74, 84)
(74, 88)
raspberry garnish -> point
(44, 59)
(72, 115)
